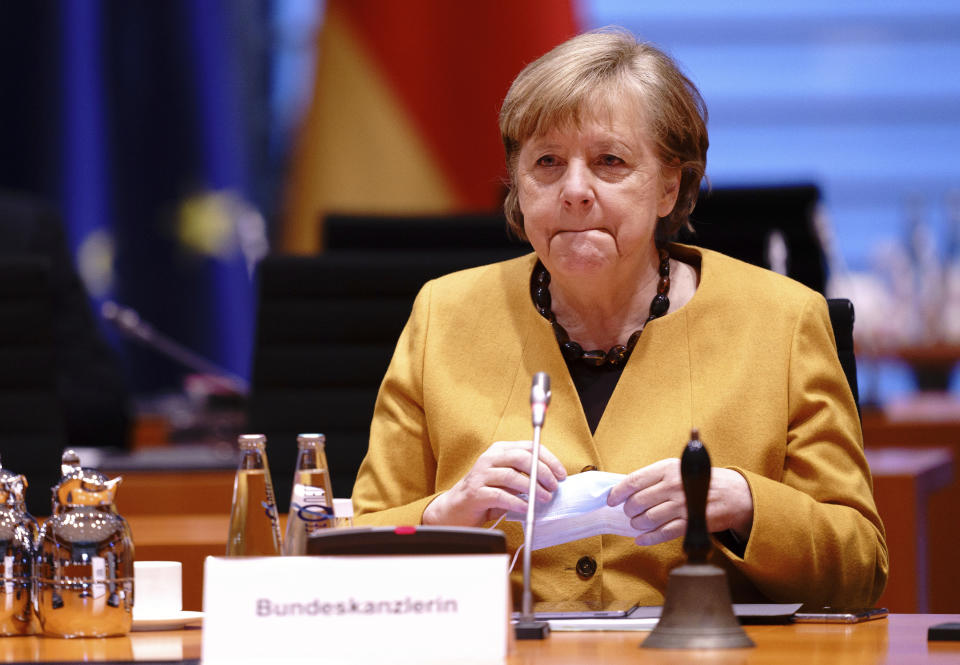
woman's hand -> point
(491, 487)
(653, 499)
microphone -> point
(539, 398)
(528, 628)
(130, 324)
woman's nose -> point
(577, 191)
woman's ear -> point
(669, 190)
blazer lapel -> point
(565, 431)
(649, 414)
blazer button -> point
(588, 467)
(586, 567)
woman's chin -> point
(582, 254)
(581, 265)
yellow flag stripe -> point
(358, 151)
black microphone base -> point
(532, 630)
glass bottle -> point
(254, 526)
(311, 501)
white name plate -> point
(350, 609)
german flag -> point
(404, 112)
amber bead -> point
(542, 297)
(571, 350)
(541, 275)
(660, 305)
(663, 287)
(617, 354)
(664, 263)
(596, 357)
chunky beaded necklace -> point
(617, 356)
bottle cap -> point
(252, 440)
(342, 508)
(311, 439)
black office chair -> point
(59, 383)
(326, 329)
(33, 433)
(842, 318)
(739, 221)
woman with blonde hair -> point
(644, 339)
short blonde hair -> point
(559, 86)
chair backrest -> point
(739, 222)
(59, 382)
(418, 232)
(326, 329)
(842, 318)
(33, 434)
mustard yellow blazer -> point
(750, 361)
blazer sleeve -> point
(816, 532)
(396, 480)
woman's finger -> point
(641, 479)
(556, 467)
(514, 482)
(661, 493)
(497, 498)
(552, 461)
(667, 532)
(657, 516)
(520, 459)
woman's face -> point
(591, 195)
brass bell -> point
(697, 611)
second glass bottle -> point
(311, 501)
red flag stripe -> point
(451, 63)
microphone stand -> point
(130, 324)
(528, 628)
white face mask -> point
(578, 510)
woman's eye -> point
(610, 160)
(547, 160)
